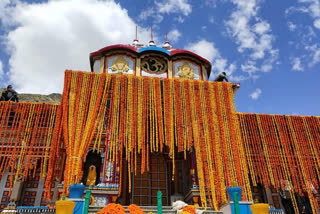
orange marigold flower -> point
(135, 209)
(112, 208)
(189, 209)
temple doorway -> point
(145, 186)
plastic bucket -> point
(231, 190)
(65, 207)
(76, 190)
(260, 208)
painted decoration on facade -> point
(187, 70)
(96, 66)
(100, 201)
(154, 66)
(109, 171)
(120, 65)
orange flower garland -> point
(29, 130)
(145, 113)
(287, 147)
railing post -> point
(159, 202)
(86, 201)
(236, 203)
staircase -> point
(153, 209)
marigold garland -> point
(147, 112)
(26, 136)
(283, 150)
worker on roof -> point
(9, 95)
(221, 77)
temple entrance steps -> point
(153, 209)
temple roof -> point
(171, 52)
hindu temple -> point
(146, 119)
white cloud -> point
(150, 12)
(203, 28)
(256, 94)
(181, 7)
(179, 19)
(296, 64)
(208, 51)
(249, 67)
(249, 31)
(211, 19)
(292, 26)
(174, 35)
(314, 51)
(311, 7)
(316, 23)
(174, 6)
(205, 49)
(261, 28)
(45, 39)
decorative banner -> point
(26, 134)
(144, 114)
(283, 152)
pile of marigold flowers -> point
(188, 210)
(113, 208)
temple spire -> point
(151, 42)
(136, 41)
(166, 44)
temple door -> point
(145, 186)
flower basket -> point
(259, 208)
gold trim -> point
(138, 71)
(170, 70)
(102, 64)
(204, 73)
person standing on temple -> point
(221, 77)
(9, 95)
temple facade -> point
(146, 119)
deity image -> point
(120, 65)
(186, 71)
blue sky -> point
(271, 47)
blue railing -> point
(40, 209)
(276, 211)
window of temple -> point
(96, 65)
(154, 66)
(120, 64)
(186, 69)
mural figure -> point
(186, 71)
(120, 65)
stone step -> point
(153, 209)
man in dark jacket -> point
(9, 95)
(221, 77)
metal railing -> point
(276, 211)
